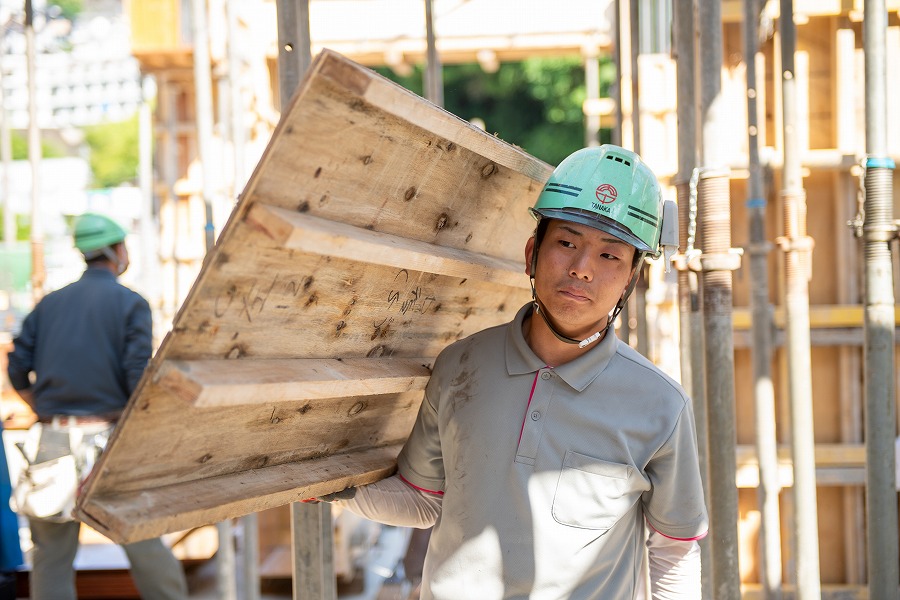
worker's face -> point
(580, 275)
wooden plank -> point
(376, 229)
(836, 465)
(151, 512)
(210, 383)
(297, 231)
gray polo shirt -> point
(548, 474)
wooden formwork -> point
(829, 70)
(375, 229)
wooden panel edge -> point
(144, 514)
(219, 383)
(313, 234)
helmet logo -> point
(606, 193)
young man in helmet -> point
(76, 361)
(548, 454)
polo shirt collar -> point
(579, 373)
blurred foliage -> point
(535, 104)
(23, 226)
(20, 148)
(114, 152)
(69, 9)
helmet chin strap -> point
(610, 318)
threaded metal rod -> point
(715, 225)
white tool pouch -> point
(56, 462)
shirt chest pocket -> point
(594, 494)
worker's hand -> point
(346, 494)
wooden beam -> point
(832, 316)
(131, 516)
(836, 464)
(307, 233)
(211, 383)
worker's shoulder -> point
(484, 341)
(642, 371)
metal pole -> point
(204, 111)
(617, 86)
(592, 87)
(878, 231)
(634, 52)
(434, 84)
(238, 133)
(226, 584)
(797, 247)
(294, 47)
(38, 275)
(9, 218)
(312, 534)
(250, 556)
(692, 376)
(714, 210)
(762, 331)
(203, 103)
(149, 227)
(312, 545)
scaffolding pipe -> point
(38, 274)
(238, 111)
(797, 248)
(617, 85)
(878, 231)
(763, 326)
(634, 52)
(9, 218)
(204, 111)
(434, 84)
(312, 534)
(716, 262)
(592, 93)
(294, 47)
(713, 202)
(690, 321)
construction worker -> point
(76, 361)
(547, 454)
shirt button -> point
(545, 375)
(535, 415)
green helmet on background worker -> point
(93, 233)
(611, 189)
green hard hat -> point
(94, 231)
(608, 188)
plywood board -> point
(376, 229)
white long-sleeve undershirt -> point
(674, 565)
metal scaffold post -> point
(38, 274)
(690, 323)
(797, 247)
(878, 230)
(715, 263)
(762, 320)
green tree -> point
(69, 9)
(114, 152)
(535, 104)
(20, 148)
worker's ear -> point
(529, 252)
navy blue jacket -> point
(87, 344)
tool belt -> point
(59, 454)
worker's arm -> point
(20, 362)
(674, 567)
(392, 501)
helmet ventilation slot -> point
(618, 159)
